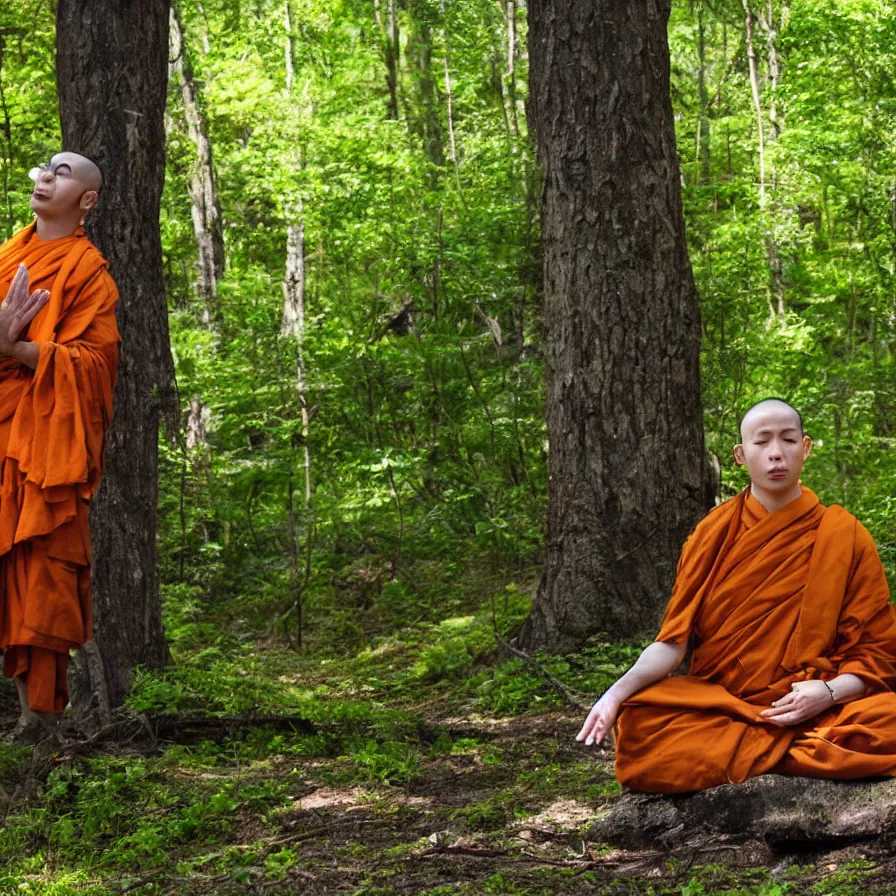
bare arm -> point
(656, 661)
(809, 698)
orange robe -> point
(766, 600)
(52, 422)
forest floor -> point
(392, 770)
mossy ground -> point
(423, 765)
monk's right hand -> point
(600, 720)
(18, 309)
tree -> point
(111, 70)
(628, 475)
(205, 207)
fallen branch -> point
(573, 698)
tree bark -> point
(704, 141)
(775, 288)
(424, 119)
(292, 325)
(628, 473)
(512, 52)
(205, 208)
(112, 61)
(776, 270)
(387, 19)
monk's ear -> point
(739, 458)
(88, 200)
(807, 446)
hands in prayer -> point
(18, 310)
(600, 720)
(805, 701)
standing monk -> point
(58, 361)
(784, 606)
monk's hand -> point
(600, 720)
(18, 310)
(805, 701)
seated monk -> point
(784, 606)
(58, 361)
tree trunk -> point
(292, 322)
(292, 325)
(205, 207)
(704, 137)
(776, 271)
(387, 19)
(112, 61)
(628, 474)
(512, 52)
(775, 288)
(424, 119)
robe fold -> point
(52, 424)
(766, 600)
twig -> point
(573, 698)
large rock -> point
(783, 812)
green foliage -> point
(29, 109)
(392, 762)
(821, 330)
(517, 686)
(425, 441)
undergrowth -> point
(384, 764)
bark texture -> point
(205, 208)
(628, 471)
(112, 69)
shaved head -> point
(65, 190)
(768, 405)
(84, 170)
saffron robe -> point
(52, 423)
(767, 600)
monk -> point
(58, 361)
(784, 606)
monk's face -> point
(65, 188)
(774, 447)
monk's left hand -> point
(805, 701)
(18, 310)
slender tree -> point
(112, 69)
(205, 207)
(292, 325)
(627, 466)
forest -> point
(353, 465)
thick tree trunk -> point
(205, 207)
(628, 471)
(112, 69)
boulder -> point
(786, 813)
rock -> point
(784, 812)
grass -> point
(433, 767)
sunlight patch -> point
(327, 798)
(566, 814)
